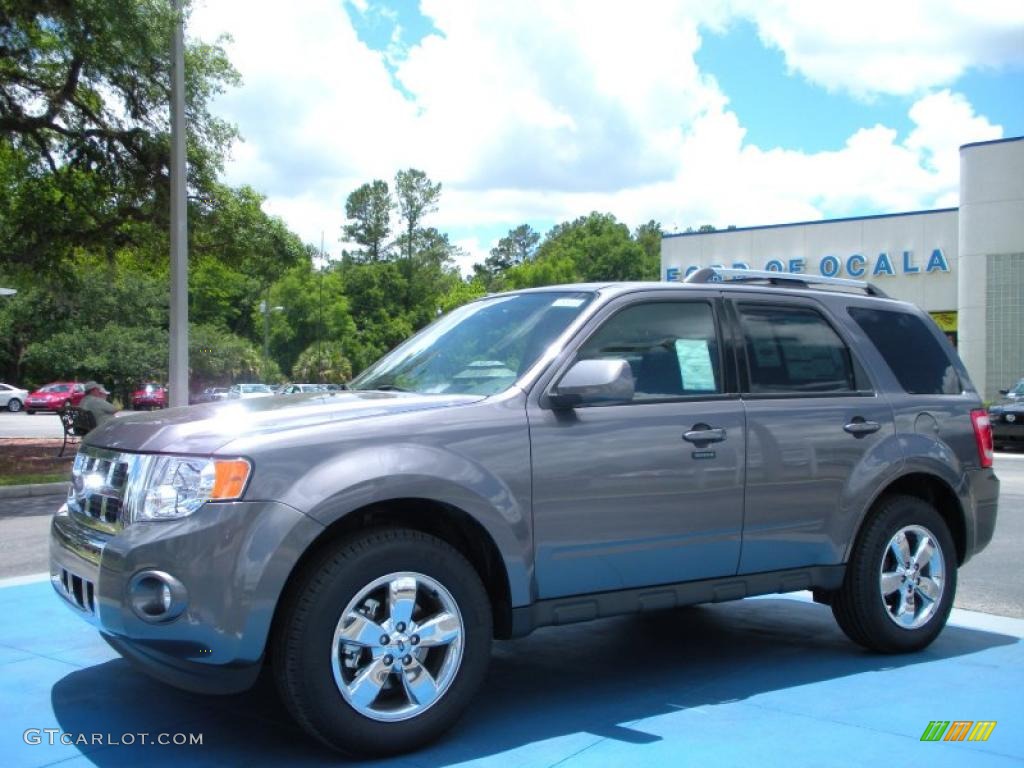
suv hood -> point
(202, 429)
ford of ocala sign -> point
(855, 265)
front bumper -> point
(1005, 432)
(233, 560)
(47, 405)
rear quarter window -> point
(912, 351)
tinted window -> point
(671, 347)
(793, 349)
(911, 350)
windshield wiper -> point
(390, 388)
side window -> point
(672, 348)
(911, 351)
(794, 350)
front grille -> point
(99, 480)
(77, 590)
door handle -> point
(858, 427)
(701, 433)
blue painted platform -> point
(761, 683)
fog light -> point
(156, 596)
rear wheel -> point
(900, 580)
(385, 640)
(14, 405)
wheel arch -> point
(930, 488)
(445, 521)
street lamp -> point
(265, 310)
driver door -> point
(621, 497)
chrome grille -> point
(99, 481)
(76, 590)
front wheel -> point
(901, 578)
(384, 642)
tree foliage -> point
(369, 210)
(416, 196)
(84, 136)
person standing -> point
(95, 401)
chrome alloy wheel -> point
(397, 646)
(912, 577)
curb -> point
(38, 489)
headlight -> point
(176, 486)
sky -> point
(722, 112)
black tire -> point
(14, 405)
(858, 605)
(29, 411)
(304, 632)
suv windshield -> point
(480, 348)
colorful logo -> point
(958, 730)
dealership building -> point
(963, 265)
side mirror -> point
(594, 381)
(1004, 391)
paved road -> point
(993, 582)
(23, 425)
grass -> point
(45, 477)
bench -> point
(77, 423)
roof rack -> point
(786, 279)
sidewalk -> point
(764, 682)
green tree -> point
(591, 248)
(416, 196)
(325, 363)
(84, 88)
(369, 209)
(517, 246)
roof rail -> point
(787, 279)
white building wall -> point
(991, 285)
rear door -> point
(627, 494)
(813, 416)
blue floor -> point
(760, 683)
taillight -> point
(983, 437)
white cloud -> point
(540, 111)
(879, 46)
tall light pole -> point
(178, 362)
(266, 309)
(320, 323)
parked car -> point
(149, 397)
(294, 389)
(12, 398)
(1014, 393)
(247, 391)
(537, 458)
(54, 396)
(1007, 417)
(211, 395)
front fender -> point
(373, 475)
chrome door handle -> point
(858, 427)
(702, 434)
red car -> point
(149, 397)
(55, 396)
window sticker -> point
(695, 365)
(567, 302)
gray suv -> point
(535, 458)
